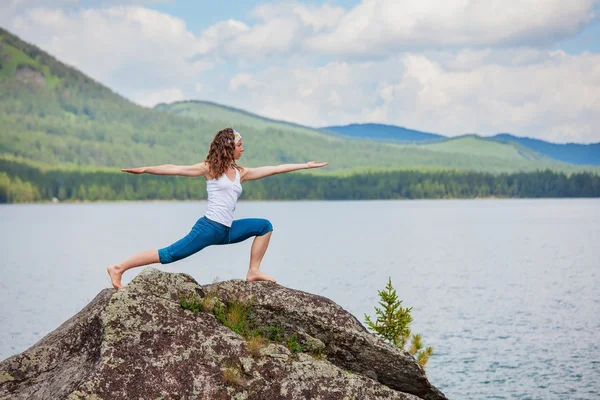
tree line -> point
(23, 182)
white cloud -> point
(154, 97)
(275, 36)
(242, 81)
(376, 28)
(317, 18)
(211, 40)
(555, 98)
(558, 98)
(335, 100)
(13, 8)
(77, 3)
(281, 29)
(306, 94)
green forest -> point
(23, 182)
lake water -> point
(506, 291)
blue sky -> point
(199, 15)
(587, 40)
(202, 14)
(529, 67)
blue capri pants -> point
(207, 232)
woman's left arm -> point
(250, 174)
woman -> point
(224, 186)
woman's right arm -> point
(199, 169)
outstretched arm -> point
(199, 169)
(250, 174)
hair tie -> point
(236, 137)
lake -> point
(507, 292)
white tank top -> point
(222, 196)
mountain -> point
(383, 132)
(54, 115)
(468, 145)
(572, 153)
(469, 152)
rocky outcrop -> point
(139, 343)
(26, 74)
(348, 343)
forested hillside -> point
(26, 182)
(572, 153)
(468, 153)
(383, 133)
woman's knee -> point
(165, 256)
(168, 255)
(266, 227)
(243, 229)
(183, 248)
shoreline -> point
(304, 201)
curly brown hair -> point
(221, 153)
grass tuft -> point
(190, 302)
(319, 354)
(292, 343)
(231, 376)
(236, 315)
(273, 333)
(255, 345)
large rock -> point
(347, 342)
(139, 343)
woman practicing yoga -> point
(224, 186)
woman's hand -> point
(312, 164)
(140, 170)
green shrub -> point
(292, 344)
(273, 333)
(190, 302)
(235, 315)
(392, 324)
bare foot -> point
(115, 276)
(258, 276)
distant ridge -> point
(383, 132)
(171, 107)
(572, 153)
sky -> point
(527, 67)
